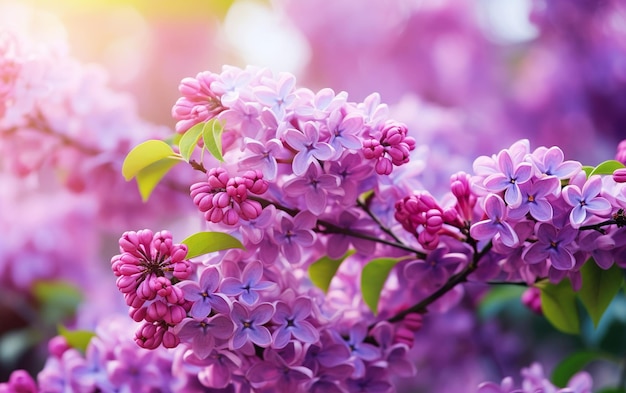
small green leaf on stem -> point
(205, 242)
(558, 303)
(599, 288)
(144, 155)
(323, 270)
(212, 137)
(150, 176)
(373, 279)
(189, 140)
(606, 168)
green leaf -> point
(599, 288)
(323, 270)
(58, 300)
(189, 140)
(150, 176)
(78, 339)
(373, 279)
(606, 168)
(144, 155)
(205, 242)
(558, 303)
(212, 137)
(572, 364)
(612, 390)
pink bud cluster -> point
(226, 199)
(145, 268)
(390, 146)
(421, 215)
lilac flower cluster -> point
(248, 325)
(305, 176)
(291, 187)
(537, 225)
(319, 148)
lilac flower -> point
(278, 97)
(550, 162)
(509, 178)
(203, 294)
(600, 246)
(216, 369)
(353, 174)
(534, 199)
(309, 147)
(242, 116)
(276, 373)
(201, 332)
(496, 224)
(394, 353)
(554, 244)
(586, 201)
(253, 231)
(231, 81)
(344, 130)
(338, 243)
(291, 322)
(435, 270)
(328, 353)
(324, 102)
(264, 156)
(295, 233)
(374, 380)
(360, 350)
(506, 386)
(19, 382)
(249, 325)
(315, 186)
(249, 285)
(133, 370)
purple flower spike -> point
(552, 244)
(203, 295)
(586, 201)
(291, 321)
(509, 178)
(250, 284)
(496, 224)
(249, 325)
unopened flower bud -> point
(619, 175)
